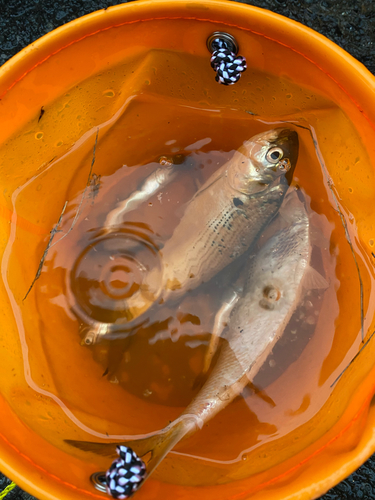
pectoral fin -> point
(314, 280)
(221, 320)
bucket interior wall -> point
(122, 88)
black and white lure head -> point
(126, 474)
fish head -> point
(262, 159)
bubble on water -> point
(165, 161)
(107, 280)
(310, 320)
(39, 135)
(108, 93)
(308, 304)
(371, 243)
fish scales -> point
(227, 214)
(197, 251)
(276, 278)
(219, 224)
(273, 289)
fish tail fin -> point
(155, 448)
(151, 449)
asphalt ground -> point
(349, 23)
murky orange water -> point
(136, 385)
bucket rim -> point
(329, 52)
(153, 10)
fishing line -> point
(55, 229)
(342, 217)
(78, 211)
(347, 235)
(356, 356)
(343, 220)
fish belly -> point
(255, 325)
(218, 226)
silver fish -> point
(221, 222)
(275, 281)
(151, 185)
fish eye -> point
(274, 155)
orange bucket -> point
(135, 81)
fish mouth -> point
(287, 140)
